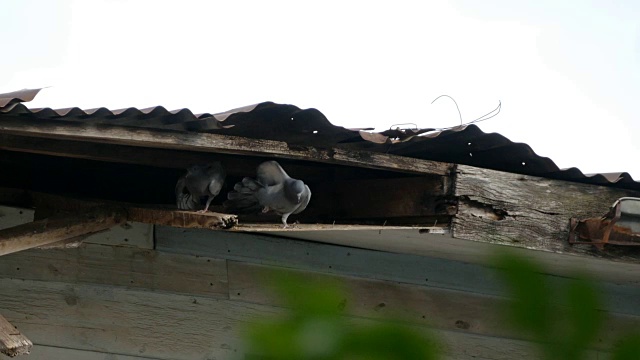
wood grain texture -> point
(43, 352)
(204, 142)
(121, 266)
(125, 321)
(58, 228)
(12, 341)
(472, 273)
(528, 211)
(375, 299)
(129, 324)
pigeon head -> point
(297, 188)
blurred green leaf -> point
(315, 329)
(530, 308)
(628, 348)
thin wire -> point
(484, 117)
(454, 101)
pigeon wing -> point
(271, 173)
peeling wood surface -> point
(12, 342)
(57, 228)
(121, 266)
(528, 211)
(204, 142)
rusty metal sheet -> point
(620, 226)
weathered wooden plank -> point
(182, 219)
(12, 341)
(128, 322)
(130, 233)
(342, 260)
(58, 228)
(121, 266)
(119, 321)
(43, 352)
(440, 308)
(53, 205)
(443, 309)
(12, 216)
(204, 142)
(528, 211)
(436, 268)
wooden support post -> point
(12, 342)
(58, 228)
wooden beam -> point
(529, 212)
(12, 342)
(213, 143)
(58, 228)
(55, 205)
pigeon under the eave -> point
(200, 181)
(272, 190)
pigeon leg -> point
(284, 221)
(206, 208)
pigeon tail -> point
(243, 197)
(187, 202)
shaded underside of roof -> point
(309, 127)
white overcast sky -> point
(567, 72)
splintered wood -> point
(525, 211)
(12, 342)
(184, 219)
(58, 228)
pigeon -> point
(199, 181)
(273, 190)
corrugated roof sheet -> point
(462, 145)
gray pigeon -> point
(198, 182)
(273, 190)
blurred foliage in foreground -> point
(561, 332)
(317, 329)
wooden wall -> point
(138, 292)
